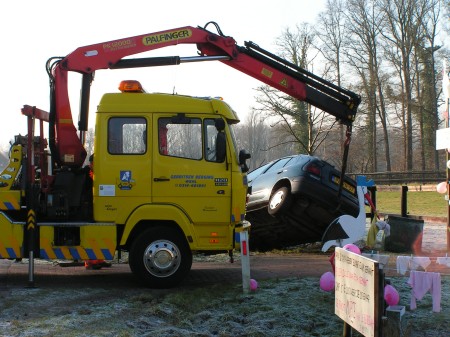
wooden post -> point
(381, 304)
(404, 208)
(347, 332)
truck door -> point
(122, 167)
(186, 170)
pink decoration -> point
(327, 281)
(391, 295)
(352, 248)
(253, 285)
(442, 187)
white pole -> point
(245, 261)
(446, 91)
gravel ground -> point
(279, 307)
(290, 305)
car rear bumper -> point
(324, 196)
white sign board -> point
(356, 291)
(443, 139)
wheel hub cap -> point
(276, 199)
(162, 258)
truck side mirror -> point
(243, 156)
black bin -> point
(406, 234)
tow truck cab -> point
(155, 163)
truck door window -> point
(215, 144)
(127, 135)
(183, 140)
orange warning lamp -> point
(131, 86)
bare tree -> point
(255, 139)
(404, 23)
(426, 87)
(332, 33)
(446, 4)
(89, 144)
(296, 121)
(362, 51)
(390, 47)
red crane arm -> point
(66, 147)
(107, 54)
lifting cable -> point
(348, 138)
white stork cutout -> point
(347, 229)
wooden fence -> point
(404, 178)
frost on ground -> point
(280, 307)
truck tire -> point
(279, 201)
(160, 257)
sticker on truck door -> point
(126, 182)
(107, 190)
(221, 181)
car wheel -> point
(160, 257)
(279, 201)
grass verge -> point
(424, 203)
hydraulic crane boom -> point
(65, 145)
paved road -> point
(119, 275)
(434, 237)
(268, 266)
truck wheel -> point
(160, 257)
(279, 201)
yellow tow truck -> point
(166, 179)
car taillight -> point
(313, 169)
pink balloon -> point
(327, 281)
(442, 187)
(253, 285)
(352, 248)
(391, 295)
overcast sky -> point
(38, 30)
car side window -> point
(278, 165)
(256, 172)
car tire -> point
(160, 257)
(279, 201)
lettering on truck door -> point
(185, 170)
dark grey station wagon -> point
(293, 199)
